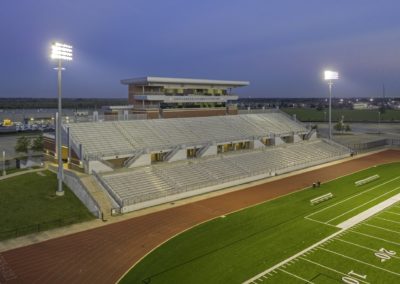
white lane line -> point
(358, 194)
(372, 200)
(364, 247)
(388, 220)
(296, 276)
(378, 227)
(363, 262)
(331, 269)
(375, 237)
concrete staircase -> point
(98, 194)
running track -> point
(103, 254)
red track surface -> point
(102, 255)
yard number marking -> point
(352, 278)
(385, 254)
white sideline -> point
(368, 213)
(293, 257)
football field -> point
(366, 253)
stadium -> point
(199, 142)
(238, 198)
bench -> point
(321, 198)
(366, 180)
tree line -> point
(73, 103)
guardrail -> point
(109, 190)
(40, 227)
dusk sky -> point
(281, 47)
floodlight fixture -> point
(60, 52)
(331, 75)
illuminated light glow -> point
(331, 75)
(61, 51)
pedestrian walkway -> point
(22, 172)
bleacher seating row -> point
(138, 185)
(101, 139)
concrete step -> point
(97, 192)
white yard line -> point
(355, 208)
(373, 199)
(378, 227)
(368, 190)
(311, 219)
(363, 262)
(375, 237)
(296, 276)
(292, 257)
(364, 247)
(388, 220)
(368, 213)
(326, 267)
(377, 208)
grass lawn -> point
(309, 114)
(28, 204)
(243, 244)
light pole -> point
(60, 52)
(379, 122)
(329, 76)
(4, 163)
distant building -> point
(360, 105)
(159, 97)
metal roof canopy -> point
(183, 81)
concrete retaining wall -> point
(80, 191)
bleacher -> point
(152, 184)
(102, 139)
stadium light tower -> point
(60, 52)
(330, 76)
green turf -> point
(243, 244)
(28, 204)
(354, 250)
(310, 114)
